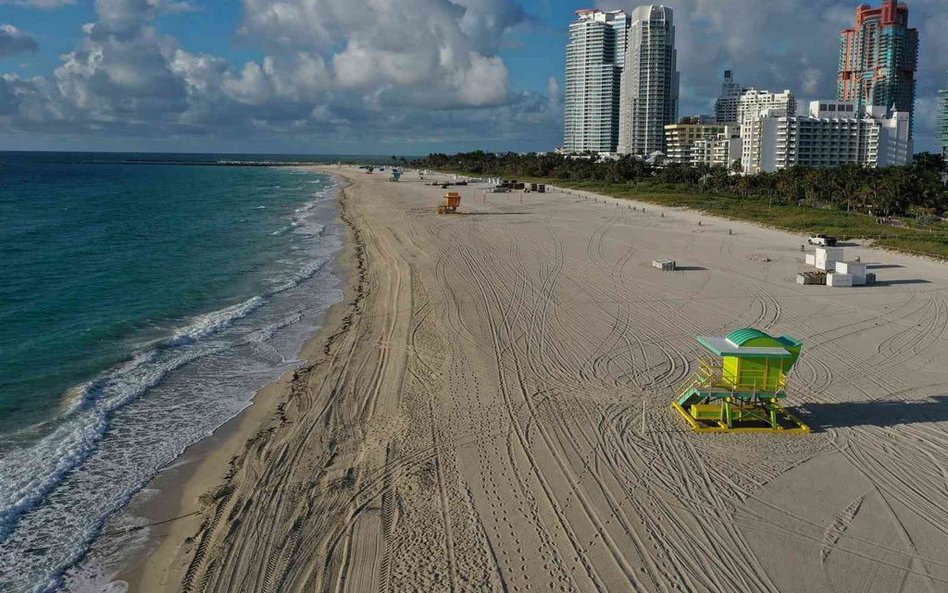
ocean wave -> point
(32, 478)
(302, 275)
(209, 323)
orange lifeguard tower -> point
(450, 204)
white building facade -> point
(752, 104)
(943, 122)
(722, 150)
(834, 133)
(649, 90)
(682, 141)
(594, 61)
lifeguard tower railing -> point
(713, 377)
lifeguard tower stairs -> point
(739, 384)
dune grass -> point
(929, 239)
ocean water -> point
(141, 307)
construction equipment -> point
(740, 386)
(452, 200)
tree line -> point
(917, 189)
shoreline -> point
(192, 480)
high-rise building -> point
(649, 94)
(752, 104)
(834, 133)
(725, 108)
(594, 61)
(943, 120)
(878, 59)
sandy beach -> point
(488, 410)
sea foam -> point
(120, 428)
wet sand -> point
(472, 418)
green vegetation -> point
(898, 208)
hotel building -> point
(834, 133)
(752, 104)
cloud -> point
(47, 4)
(781, 44)
(436, 53)
(342, 71)
(13, 42)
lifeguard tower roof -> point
(749, 343)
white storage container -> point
(837, 279)
(854, 268)
(826, 257)
(665, 265)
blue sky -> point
(375, 76)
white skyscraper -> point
(594, 59)
(943, 120)
(649, 95)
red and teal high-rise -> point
(878, 58)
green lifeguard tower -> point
(738, 387)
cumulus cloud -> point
(13, 41)
(411, 70)
(780, 44)
(436, 53)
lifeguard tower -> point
(739, 385)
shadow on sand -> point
(493, 213)
(897, 282)
(874, 413)
(871, 266)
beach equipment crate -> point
(811, 278)
(839, 279)
(856, 269)
(826, 257)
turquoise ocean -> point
(143, 302)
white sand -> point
(478, 424)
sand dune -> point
(476, 424)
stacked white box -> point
(854, 268)
(810, 259)
(837, 279)
(826, 258)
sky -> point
(403, 77)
